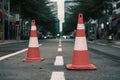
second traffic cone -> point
(33, 54)
(80, 60)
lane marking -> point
(116, 46)
(13, 54)
(59, 49)
(40, 44)
(59, 45)
(60, 42)
(59, 61)
(101, 44)
(57, 76)
(90, 42)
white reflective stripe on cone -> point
(80, 43)
(80, 26)
(33, 28)
(33, 42)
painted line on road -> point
(115, 46)
(40, 44)
(90, 42)
(59, 61)
(101, 44)
(60, 40)
(13, 54)
(59, 45)
(60, 49)
(57, 76)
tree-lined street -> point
(59, 40)
(101, 56)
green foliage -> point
(89, 8)
(34, 9)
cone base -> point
(33, 59)
(81, 67)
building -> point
(115, 22)
(4, 19)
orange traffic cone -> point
(33, 48)
(80, 59)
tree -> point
(34, 9)
(90, 8)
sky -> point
(60, 4)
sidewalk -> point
(111, 49)
(114, 42)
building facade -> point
(4, 19)
(115, 22)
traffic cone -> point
(33, 54)
(80, 60)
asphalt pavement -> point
(13, 68)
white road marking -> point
(59, 61)
(80, 43)
(115, 46)
(13, 54)
(59, 45)
(40, 44)
(59, 49)
(60, 42)
(90, 42)
(57, 76)
(101, 44)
